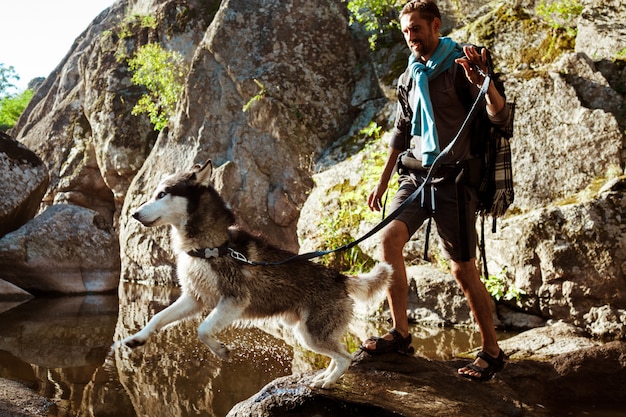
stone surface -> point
(555, 381)
(67, 249)
(17, 400)
(24, 179)
(569, 260)
(297, 107)
(601, 29)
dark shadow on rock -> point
(397, 385)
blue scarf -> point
(423, 116)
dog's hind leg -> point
(184, 307)
(225, 312)
(329, 345)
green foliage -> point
(499, 288)
(376, 16)
(162, 73)
(11, 107)
(339, 225)
(261, 94)
(560, 14)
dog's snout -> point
(135, 215)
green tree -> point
(6, 75)
(376, 16)
(11, 108)
(11, 104)
(162, 73)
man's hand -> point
(471, 61)
(374, 201)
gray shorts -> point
(444, 212)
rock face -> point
(24, 180)
(80, 120)
(569, 260)
(66, 249)
(392, 385)
(305, 85)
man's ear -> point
(203, 172)
(436, 25)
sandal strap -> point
(495, 362)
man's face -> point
(421, 37)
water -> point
(60, 347)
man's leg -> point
(393, 239)
(468, 277)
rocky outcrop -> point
(66, 249)
(567, 126)
(569, 260)
(80, 120)
(305, 86)
(561, 243)
(392, 385)
(24, 180)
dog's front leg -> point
(184, 307)
(225, 312)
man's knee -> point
(394, 236)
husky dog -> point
(217, 267)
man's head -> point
(420, 21)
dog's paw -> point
(322, 383)
(218, 348)
(222, 351)
(322, 380)
(134, 342)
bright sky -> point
(35, 35)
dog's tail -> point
(368, 286)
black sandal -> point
(494, 365)
(398, 344)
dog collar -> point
(208, 253)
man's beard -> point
(418, 55)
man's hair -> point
(427, 9)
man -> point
(430, 113)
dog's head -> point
(177, 197)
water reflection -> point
(61, 348)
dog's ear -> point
(203, 172)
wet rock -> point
(393, 384)
(66, 249)
(12, 296)
(24, 179)
(17, 400)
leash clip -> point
(238, 256)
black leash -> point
(431, 171)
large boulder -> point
(566, 133)
(66, 249)
(304, 81)
(601, 32)
(569, 260)
(24, 179)
(583, 379)
(80, 119)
